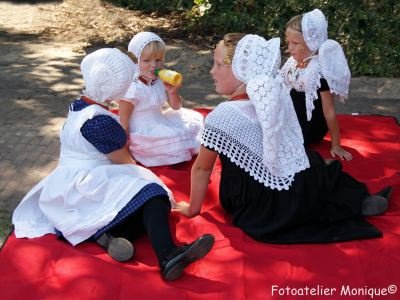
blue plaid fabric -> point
(103, 132)
(78, 105)
(146, 193)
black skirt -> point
(323, 205)
(315, 129)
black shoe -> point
(118, 248)
(172, 267)
(386, 192)
(374, 205)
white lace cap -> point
(334, 68)
(107, 74)
(256, 62)
(315, 29)
(255, 56)
(140, 40)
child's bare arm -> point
(125, 113)
(121, 156)
(328, 108)
(200, 177)
(174, 98)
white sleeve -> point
(131, 95)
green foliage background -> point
(369, 31)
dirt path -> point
(42, 44)
(82, 26)
(60, 33)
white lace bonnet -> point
(139, 41)
(107, 74)
(256, 56)
(256, 62)
(331, 56)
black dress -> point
(323, 205)
(315, 129)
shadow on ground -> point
(38, 79)
(34, 1)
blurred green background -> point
(369, 31)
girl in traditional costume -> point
(97, 192)
(316, 71)
(157, 136)
(275, 190)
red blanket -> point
(237, 267)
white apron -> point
(84, 193)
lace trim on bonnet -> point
(137, 44)
(283, 150)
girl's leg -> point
(172, 259)
(132, 228)
(155, 220)
(153, 216)
(150, 219)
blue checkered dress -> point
(107, 135)
(146, 193)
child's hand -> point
(172, 90)
(183, 208)
(340, 152)
(174, 99)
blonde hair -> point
(154, 49)
(230, 41)
(295, 23)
